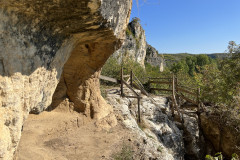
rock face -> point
(193, 139)
(225, 138)
(153, 58)
(134, 46)
(40, 40)
(162, 139)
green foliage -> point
(191, 64)
(103, 91)
(137, 69)
(128, 32)
(125, 154)
(151, 71)
(235, 156)
(219, 156)
(159, 149)
(202, 60)
(111, 68)
(180, 67)
(135, 20)
(220, 86)
(233, 48)
(220, 83)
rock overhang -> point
(37, 38)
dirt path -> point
(67, 136)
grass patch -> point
(103, 91)
(126, 153)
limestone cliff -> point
(153, 58)
(44, 42)
(134, 46)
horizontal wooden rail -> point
(125, 76)
(161, 89)
(109, 79)
(187, 99)
(186, 91)
(160, 82)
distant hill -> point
(218, 55)
(173, 58)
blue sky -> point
(192, 26)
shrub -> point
(111, 68)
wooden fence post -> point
(131, 78)
(176, 82)
(139, 111)
(122, 82)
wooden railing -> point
(177, 91)
(130, 86)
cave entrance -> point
(79, 87)
(76, 101)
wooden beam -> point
(187, 99)
(141, 89)
(125, 76)
(124, 82)
(139, 111)
(105, 78)
(186, 91)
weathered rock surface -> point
(134, 46)
(225, 138)
(163, 140)
(41, 39)
(153, 58)
(193, 138)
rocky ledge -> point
(158, 135)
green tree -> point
(180, 67)
(202, 60)
(191, 62)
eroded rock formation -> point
(224, 137)
(153, 58)
(162, 140)
(39, 40)
(134, 46)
